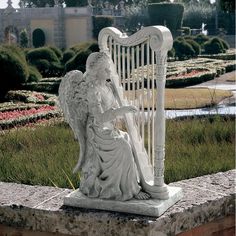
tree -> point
(38, 3)
(76, 3)
(227, 5)
(24, 40)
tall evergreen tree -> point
(38, 3)
(24, 40)
(227, 5)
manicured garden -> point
(37, 147)
(47, 154)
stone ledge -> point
(206, 198)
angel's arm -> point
(102, 116)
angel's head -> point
(98, 65)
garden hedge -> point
(14, 69)
(78, 62)
(100, 22)
(183, 82)
(215, 45)
(82, 51)
(46, 61)
(166, 13)
(34, 75)
(67, 55)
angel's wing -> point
(73, 102)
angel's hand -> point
(127, 109)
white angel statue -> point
(106, 163)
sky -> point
(3, 3)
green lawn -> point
(46, 155)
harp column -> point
(160, 43)
(159, 147)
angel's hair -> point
(96, 60)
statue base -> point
(151, 207)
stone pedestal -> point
(151, 207)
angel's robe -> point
(109, 171)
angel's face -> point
(104, 72)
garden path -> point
(227, 106)
(224, 82)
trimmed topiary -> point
(57, 51)
(92, 46)
(41, 53)
(196, 47)
(81, 52)
(14, 70)
(24, 39)
(67, 55)
(201, 39)
(100, 22)
(183, 50)
(171, 53)
(34, 75)
(215, 46)
(166, 13)
(46, 61)
(78, 62)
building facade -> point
(62, 27)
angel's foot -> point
(142, 196)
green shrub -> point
(38, 38)
(41, 53)
(14, 69)
(214, 46)
(34, 74)
(46, 87)
(168, 14)
(92, 46)
(46, 61)
(183, 50)
(67, 55)
(196, 47)
(183, 82)
(78, 62)
(171, 53)
(201, 39)
(24, 40)
(57, 51)
(17, 51)
(224, 44)
(100, 22)
(82, 50)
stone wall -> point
(52, 20)
(207, 200)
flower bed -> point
(10, 106)
(47, 86)
(31, 97)
(229, 55)
(13, 118)
(27, 107)
(189, 78)
(219, 66)
(189, 72)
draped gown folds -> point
(110, 171)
